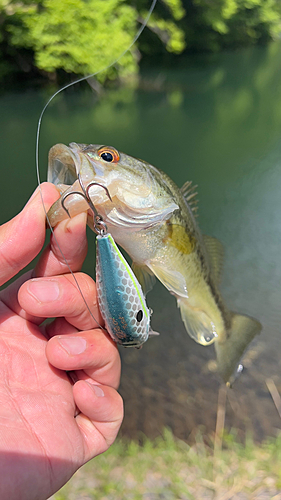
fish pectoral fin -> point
(230, 351)
(197, 323)
(171, 279)
(215, 253)
(144, 276)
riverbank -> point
(168, 468)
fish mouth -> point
(66, 162)
(62, 165)
(72, 171)
(69, 168)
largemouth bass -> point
(152, 219)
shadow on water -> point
(217, 123)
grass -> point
(168, 468)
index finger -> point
(67, 248)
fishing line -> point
(138, 34)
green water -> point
(215, 121)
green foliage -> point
(85, 36)
(169, 32)
(78, 36)
(237, 22)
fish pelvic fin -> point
(173, 280)
(144, 276)
(230, 350)
(197, 323)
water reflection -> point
(216, 122)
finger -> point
(59, 326)
(67, 249)
(101, 416)
(62, 296)
(22, 238)
(91, 351)
(9, 295)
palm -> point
(37, 400)
(43, 438)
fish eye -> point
(106, 156)
(139, 316)
(110, 155)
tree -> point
(85, 36)
(223, 23)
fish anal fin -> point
(171, 279)
(215, 252)
(197, 323)
(229, 351)
(144, 276)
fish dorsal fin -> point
(171, 279)
(215, 252)
(144, 276)
(190, 195)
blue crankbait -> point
(120, 296)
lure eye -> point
(139, 316)
(110, 155)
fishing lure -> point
(120, 297)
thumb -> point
(101, 415)
(22, 238)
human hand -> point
(43, 439)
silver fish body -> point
(152, 219)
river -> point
(215, 120)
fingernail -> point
(73, 345)
(44, 291)
(97, 390)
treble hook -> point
(99, 225)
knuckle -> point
(87, 286)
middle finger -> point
(91, 354)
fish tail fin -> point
(229, 352)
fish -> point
(154, 222)
(120, 297)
